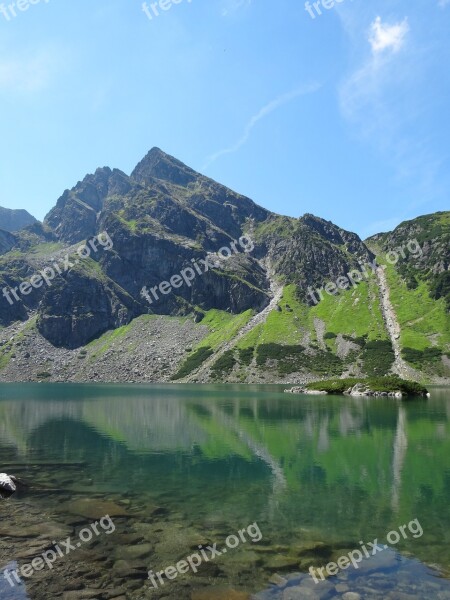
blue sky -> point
(345, 115)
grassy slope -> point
(424, 322)
(353, 312)
(280, 327)
(223, 327)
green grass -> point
(286, 326)
(355, 312)
(223, 326)
(283, 227)
(424, 322)
(45, 249)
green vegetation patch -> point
(292, 359)
(43, 375)
(440, 288)
(378, 357)
(246, 355)
(422, 358)
(224, 364)
(193, 362)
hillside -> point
(258, 312)
(15, 219)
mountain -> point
(150, 299)
(14, 220)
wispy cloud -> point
(443, 3)
(387, 37)
(261, 114)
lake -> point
(307, 481)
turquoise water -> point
(313, 472)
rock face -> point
(309, 251)
(7, 241)
(15, 219)
(80, 306)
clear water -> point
(328, 470)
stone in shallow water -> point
(382, 560)
(278, 580)
(279, 562)
(308, 590)
(48, 529)
(298, 593)
(131, 569)
(133, 552)
(351, 596)
(80, 595)
(220, 594)
(396, 595)
(95, 509)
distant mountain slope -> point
(15, 219)
(165, 217)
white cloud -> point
(264, 112)
(443, 3)
(388, 37)
(364, 94)
(387, 102)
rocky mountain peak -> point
(159, 165)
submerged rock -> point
(220, 594)
(92, 508)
